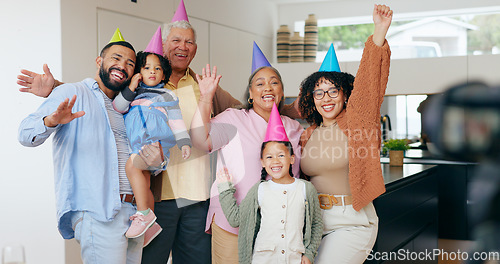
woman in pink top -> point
(238, 135)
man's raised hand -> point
(63, 114)
(37, 84)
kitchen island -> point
(420, 205)
(408, 213)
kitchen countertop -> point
(419, 156)
(416, 161)
(393, 174)
(435, 161)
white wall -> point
(30, 37)
(66, 35)
(221, 26)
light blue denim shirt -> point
(84, 153)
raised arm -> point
(63, 114)
(37, 84)
(122, 101)
(371, 79)
(382, 18)
(226, 197)
(223, 100)
(175, 120)
(200, 125)
(37, 127)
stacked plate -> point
(283, 43)
(310, 38)
(296, 48)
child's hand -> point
(305, 260)
(224, 176)
(135, 81)
(186, 151)
(208, 83)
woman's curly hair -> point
(306, 102)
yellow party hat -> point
(117, 36)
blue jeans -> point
(105, 242)
(183, 234)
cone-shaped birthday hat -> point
(258, 58)
(330, 63)
(275, 129)
(117, 36)
(155, 45)
(180, 14)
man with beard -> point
(90, 148)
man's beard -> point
(106, 80)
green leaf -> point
(396, 144)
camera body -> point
(463, 123)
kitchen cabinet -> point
(454, 206)
(425, 199)
(408, 213)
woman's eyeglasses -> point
(332, 92)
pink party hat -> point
(258, 58)
(155, 45)
(180, 14)
(275, 129)
(330, 63)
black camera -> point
(463, 123)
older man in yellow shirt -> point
(182, 192)
(186, 185)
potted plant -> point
(396, 148)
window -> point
(444, 33)
(404, 117)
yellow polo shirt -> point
(191, 178)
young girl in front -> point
(154, 116)
(279, 220)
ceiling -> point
(298, 1)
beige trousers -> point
(224, 246)
(348, 235)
